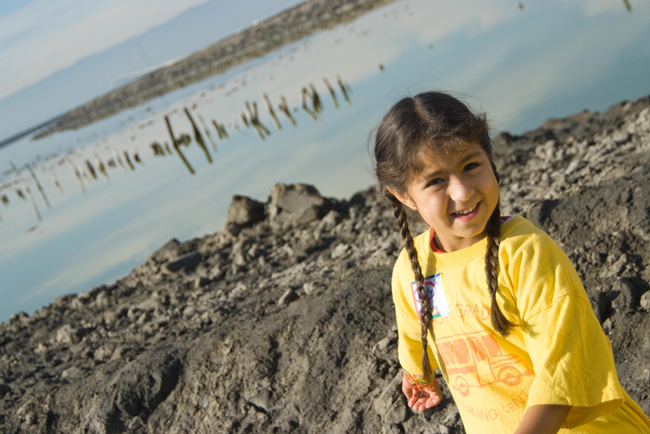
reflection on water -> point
(289, 117)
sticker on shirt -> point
(435, 292)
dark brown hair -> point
(443, 124)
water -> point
(520, 67)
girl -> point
(492, 301)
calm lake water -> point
(519, 66)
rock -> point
(310, 287)
(200, 282)
(243, 212)
(288, 296)
(260, 401)
(66, 334)
(623, 294)
(184, 262)
(137, 388)
(340, 251)
(238, 291)
(645, 301)
(296, 203)
(167, 252)
(4, 389)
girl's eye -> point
(470, 166)
(435, 181)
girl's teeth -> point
(464, 213)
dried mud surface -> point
(283, 321)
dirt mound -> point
(285, 323)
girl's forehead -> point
(443, 156)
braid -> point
(500, 323)
(425, 311)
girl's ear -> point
(403, 197)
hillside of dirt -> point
(283, 321)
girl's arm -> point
(543, 419)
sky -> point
(39, 38)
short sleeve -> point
(408, 327)
(572, 358)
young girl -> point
(490, 300)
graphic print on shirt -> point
(435, 292)
(476, 360)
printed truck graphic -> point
(476, 360)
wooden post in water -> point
(197, 136)
(128, 161)
(344, 89)
(252, 113)
(76, 172)
(331, 89)
(305, 94)
(38, 184)
(100, 166)
(285, 108)
(56, 182)
(29, 192)
(270, 106)
(207, 131)
(116, 154)
(175, 144)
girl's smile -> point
(455, 194)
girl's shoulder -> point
(523, 242)
(519, 232)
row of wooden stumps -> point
(89, 171)
(85, 174)
(311, 103)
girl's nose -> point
(460, 190)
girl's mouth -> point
(467, 214)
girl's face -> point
(455, 194)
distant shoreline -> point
(282, 29)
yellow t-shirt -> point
(558, 355)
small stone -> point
(608, 324)
(645, 301)
(215, 273)
(243, 212)
(288, 296)
(102, 353)
(167, 252)
(238, 291)
(309, 287)
(4, 389)
(623, 293)
(200, 282)
(340, 251)
(186, 262)
(296, 203)
(260, 402)
(66, 334)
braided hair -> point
(442, 123)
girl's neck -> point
(437, 246)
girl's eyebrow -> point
(437, 173)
